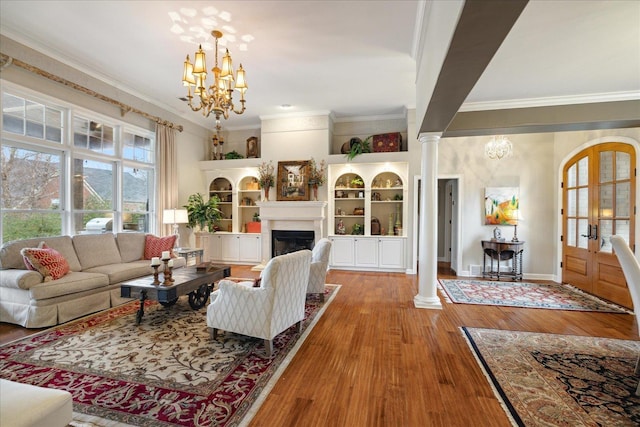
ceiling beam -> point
(557, 118)
(481, 29)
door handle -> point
(588, 236)
(595, 232)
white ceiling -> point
(354, 58)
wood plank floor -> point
(375, 360)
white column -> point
(428, 239)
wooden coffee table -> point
(197, 284)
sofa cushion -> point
(69, 284)
(96, 249)
(46, 261)
(123, 271)
(131, 246)
(10, 256)
(154, 246)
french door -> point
(598, 201)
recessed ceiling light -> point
(285, 106)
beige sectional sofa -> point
(97, 262)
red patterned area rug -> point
(560, 380)
(165, 372)
(523, 294)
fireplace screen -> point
(286, 241)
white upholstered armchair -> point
(319, 265)
(267, 310)
(631, 270)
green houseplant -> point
(203, 213)
(359, 146)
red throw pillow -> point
(46, 261)
(154, 246)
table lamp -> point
(175, 217)
(516, 219)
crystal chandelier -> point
(498, 147)
(218, 97)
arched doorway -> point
(598, 199)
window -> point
(31, 182)
(93, 135)
(24, 117)
(96, 175)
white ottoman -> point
(30, 406)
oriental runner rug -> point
(523, 294)
(165, 372)
(559, 380)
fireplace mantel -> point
(289, 215)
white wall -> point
(534, 168)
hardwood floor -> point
(375, 360)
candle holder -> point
(155, 274)
(167, 272)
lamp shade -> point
(182, 216)
(175, 216)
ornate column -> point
(428, 239)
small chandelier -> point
(498, 147)
(217, 98)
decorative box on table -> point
(387, 142)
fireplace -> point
(287, 241)
(291, 216)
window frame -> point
(68, 152)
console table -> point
(502, 250)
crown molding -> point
(550, 101)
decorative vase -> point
(266, 194)
(315, 192)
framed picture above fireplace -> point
(293, 180)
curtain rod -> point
(124, 108)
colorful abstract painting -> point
(501, 205)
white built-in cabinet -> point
(238, 192)
(241, 248)
(368, 253)
(366, 215)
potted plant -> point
(266, 177)
(316, 176)
(254, 226)
(356, 182)
(358, 146)
(203, 213)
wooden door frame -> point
(559, 174)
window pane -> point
(31, 179)
(622, 228)
(35, 120)
(606, 166)
(604, 235)
(571, 232)
(583, 229)
(92, 195)
(583, 202)
(13, 114)
(583, 171)
(137, 148)
(24, 224)
(623, 199)
(137, 189)
(623, 165)
(571, 202)
(25, 117)
(606, 200)
(571, 176)
(93, 135)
